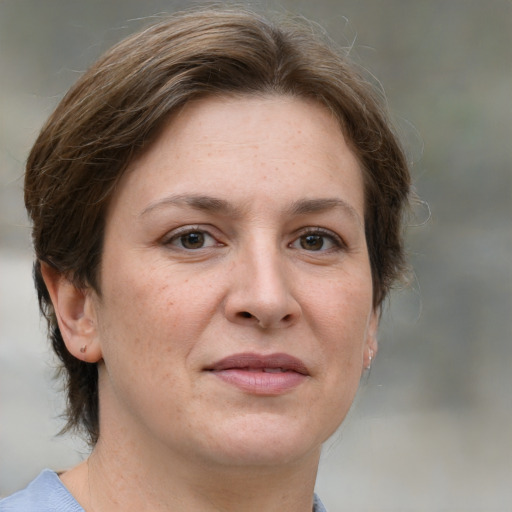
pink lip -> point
(272, 374)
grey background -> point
(431, 427)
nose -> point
(260, 292)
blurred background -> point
(431, 428)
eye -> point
(318, 240)
(192, 239)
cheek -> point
(339, 319)
(152, 309)
(145, 332)
(342, 308)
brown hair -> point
(117, 107)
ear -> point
(371, 345)
(76, 315)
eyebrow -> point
(196, 202)
(223, 207)
(306, 206)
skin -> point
(276, 263)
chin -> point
(264, 440)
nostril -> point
(286, 318)
(245, 314)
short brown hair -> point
(118, 106)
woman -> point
(217, 217)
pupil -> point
(193, 240)
(312, 242)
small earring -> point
(370, 357)
(83, 349)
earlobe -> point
(75, 314)
(371, 345)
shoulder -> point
(44, 494)
(47, 494)
(318, 506)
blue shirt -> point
(48, 494)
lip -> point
(270, 375)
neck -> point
(112, 480)
(131, 469)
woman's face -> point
(236, 309)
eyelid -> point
(336, 239)
(175, 234)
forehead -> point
(227, 123)
(232, 147)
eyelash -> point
(177, 236)
(337, 242)
(324, 234)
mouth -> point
(269, 375)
